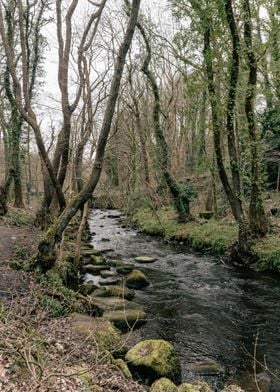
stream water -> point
(208, 310)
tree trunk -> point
(257, 219)
(45, 257)
(182, 205)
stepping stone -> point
(125, 269)
(126, 320)
(115, 303)
(95, 269)
(110, 281)
(145, 259)
(114, 291)
(108, 274)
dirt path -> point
(14, 241)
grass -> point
(17, 217)
(212, 235)
(268, 252)
(215, 236)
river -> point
(207, 309)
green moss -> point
(123, 368)
(212, 235)
(163, 385)
(152, 359)
(197, 386)
(136, 280)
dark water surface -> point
(207, 309)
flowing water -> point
(208, 310)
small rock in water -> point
(105, 239)
(110, 281)
(95, 269)
(107, 274)
(136, 280)
(145, 259)
(206, 368)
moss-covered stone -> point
(123, 368)
(97, 260)
(126, 320)
(163, 385)
(95, 269)
(114, 291)
(87, 288)
(136, 280)
(206, 368)
(153, 359)
(197, 386)
(107, 274)
(98, 330)
(115, 303)
(232, 388)
(125, 269)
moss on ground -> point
(215, 236)
(268, 253)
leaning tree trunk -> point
(45, 256)
(257, 219)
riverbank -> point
(214, 236)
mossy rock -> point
(145, 259)
(163, 385)
(114, 262)
(206, 368)
(95, 269)
(197, 386)
(98, 330)
(107, 274)
(126, 320)
(115, 303)
(125, 269)
(136, 280)
(232, 388)
(97, 260)
(153, 359)
(119, 363)
(114, 291)
(87, 288)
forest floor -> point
(40, 352)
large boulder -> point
(197, 386)
(126, 320)
(163, 385)
(114, 291)
(153, 359)
(136, 280)
(98, 330)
